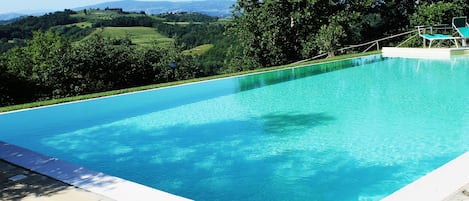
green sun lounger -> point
(435, 37)
(462, 27)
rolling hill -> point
(217, 8)
(138, 35)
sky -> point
(24, 6)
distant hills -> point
(8, 16)
(216, 8)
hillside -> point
(199, 50)
(217, 8)
(70, 53)
(138, 35)
(191, 29)
(94, 15)
(6, 17)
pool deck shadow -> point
(34, 186)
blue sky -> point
(22, 6)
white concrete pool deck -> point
(448, 182)
(96, 182)
(425, 53)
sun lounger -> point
(462, 27)
(434, 36)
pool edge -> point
(424, 53)
(437, 185)
(96, 182)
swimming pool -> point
(354, 134)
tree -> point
(429, 14)
(5, 81)
(277, 32)
(47, 51)
(168, 64)
(269, 32)
(15, 85)
(328, 38)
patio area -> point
(18, 183)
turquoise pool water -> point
(353, 134)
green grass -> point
(135, 15)
(182, 23)
(223, 20)
(103, 15)
(219, 21)
(97, 15)
(80, 24)
(138, 35)
(199, 50)
(78, 14)
(115, 92)
(158, 18)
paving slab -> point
(18, 183)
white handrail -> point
(373, 43)
(376, 41)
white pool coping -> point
(423, 53)
(96, 182)
(438, 184)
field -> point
(199, 50)
(102, 14)
(142, 36)
(138, 35)
(81, 24)
(182, 23)
(219, 21)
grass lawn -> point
(182, 23)
(158, 18)
(81, 24)
(121, 91)
(138, 35)
(199, 50)
(219, 21)
(94, 15)
(223, 20)
(103, 14)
